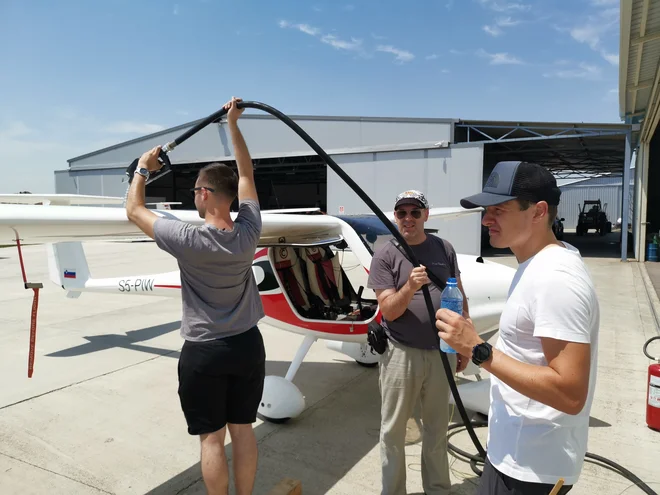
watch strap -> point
(143, 171)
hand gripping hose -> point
(469, 425)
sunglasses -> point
(194, 189)
(400, 214)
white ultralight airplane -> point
(303, 284)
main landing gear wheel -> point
(281, 399)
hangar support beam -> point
(532, 132)
(625, 207)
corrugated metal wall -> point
(573, 197)
(444, 175)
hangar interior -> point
(282, 182)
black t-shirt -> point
(390, 270)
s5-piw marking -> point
(136, 284)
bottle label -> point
(455, 305)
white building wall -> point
(444, 175)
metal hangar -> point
(446, 158)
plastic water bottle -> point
(452, 299)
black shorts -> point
(493, 482)
(222, 381)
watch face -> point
(482, 352)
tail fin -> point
(67, 266)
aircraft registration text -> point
(138, 285)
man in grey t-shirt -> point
(222, 364)
(411, 372)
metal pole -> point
(625, 207)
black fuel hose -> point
(593, 458)
(364, 197)
(467, 423)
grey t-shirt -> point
(390, 270)
(219, 294)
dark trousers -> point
(495, 483)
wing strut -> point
(35, 304)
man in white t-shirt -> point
(543, 367)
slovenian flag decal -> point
(69, 274)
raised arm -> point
(246, 186)
(136, 210)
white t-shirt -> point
(551, 295)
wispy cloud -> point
(493, 30)
(305, 28)
(506, 21)
(353, 44)
(350, 45)
(176, 9)
(504, 6)
(612, 58)
(449, 4)
(582, 71)
(597, 28)
(612, 95)
(501, 58)
(501, 22)
(401, 56)
(433, 56)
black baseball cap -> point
(516, 180)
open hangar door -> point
(286, 182)
(572, 152)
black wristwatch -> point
(481, 353)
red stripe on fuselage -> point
(277, 307)
(168, 286)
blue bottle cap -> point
(451, 280)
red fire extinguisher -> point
(653, 390)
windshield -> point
(373, 232)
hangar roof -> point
(567, 149)
(268, 138)
(639, 53)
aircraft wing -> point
(451, 212)
(60, 199)
(39, 224)
(369, 223)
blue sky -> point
(80, 75)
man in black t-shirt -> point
(411, 370)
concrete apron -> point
(101, 413)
